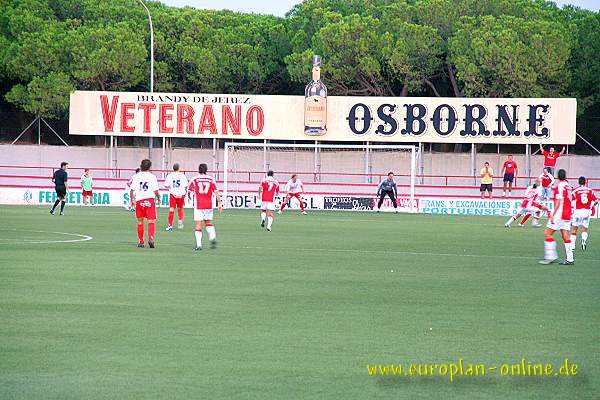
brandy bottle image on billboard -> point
(315, 103)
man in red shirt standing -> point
(204, 189)
(560, 221)
(268, 189)
(509, 170)
(550, 157)
(585, 199)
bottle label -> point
(316, 74)
(315, 115)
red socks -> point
(151, 231)
(525, 218)
(141, 232)
(301, 206)
(180, 215)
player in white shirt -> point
(177, 184)
(293, 188)
(144, 193)
(529, 207)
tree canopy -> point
(486, 48)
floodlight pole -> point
(151, 69)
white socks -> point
(198, 235)
(269, 222)
(569, 250)
(263, 216)
(584, 236)
(212, 234)
(510, 221)
(550, 252)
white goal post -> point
(326, 169)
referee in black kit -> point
(60, 184)
(387, 187)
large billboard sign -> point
(375, 119)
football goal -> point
(349, 173)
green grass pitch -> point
(298, 313)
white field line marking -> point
(321, 214)
(409, 253)
(81, 238)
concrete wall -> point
(348, 161)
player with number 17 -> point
(204, 189)
(268, 189)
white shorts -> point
(559, 224)
(582, 218)
(267, 205)
(203, 215)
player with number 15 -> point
(177, 184)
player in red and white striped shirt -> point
(560, 220)
(546, 181)
(268, 189)
(585, 199)
(204, 189)
(528, 207)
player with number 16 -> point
(144, 194)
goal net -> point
(335, 177)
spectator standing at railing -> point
(86, 188)
(60, 185)
(509, 172)
(487, 175)
(550, 158)
(388, 187)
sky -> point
(280, 7)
